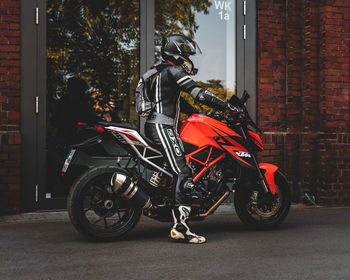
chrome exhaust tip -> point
(124, 186)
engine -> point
(215, 174)
(211, 180)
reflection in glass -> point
(92, 71)
(99, 42)
(212, 25)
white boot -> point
(180, 230)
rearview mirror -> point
(245, 97)
(234, 100)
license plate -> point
(68, 160)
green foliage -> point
(177, 17)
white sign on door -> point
(225, 8)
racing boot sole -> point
(177, 236)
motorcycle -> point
(106, 202)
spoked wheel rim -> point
(252, 212)
(101, 209)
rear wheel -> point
(96, 211)
(259, 211)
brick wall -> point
(10, 138)
(304, 94)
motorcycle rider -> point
(161, 125)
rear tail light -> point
(99, 128)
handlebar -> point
(243, 112)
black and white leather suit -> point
(165, 92)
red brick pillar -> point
(294, 56)
(309, 130)
(10, 138)
(335, 101)
(279, 85)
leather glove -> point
(232, 108)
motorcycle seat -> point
(131, 126)
(123, 125)
(150, 142)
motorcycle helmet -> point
(177, 49)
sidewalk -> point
(54, 216)
(35, 217)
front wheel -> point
(257, 211)
(96, 211)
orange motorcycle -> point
(106, 202)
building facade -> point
(292, 56)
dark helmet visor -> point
(189, 47)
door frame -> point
(29, 185)
(246, 58)
(33, 86)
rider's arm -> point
(207, 98)
(186, 83)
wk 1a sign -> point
(224, 8)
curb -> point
(35, 217)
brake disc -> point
(266, 210)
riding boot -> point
(180, 230)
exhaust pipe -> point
(123, 185)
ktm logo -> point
(243, 154)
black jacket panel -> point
(167, 88)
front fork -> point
(262, 179)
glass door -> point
(92, 68)
(212, 24)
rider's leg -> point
(181, 230)
(172, 148)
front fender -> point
(270, 171)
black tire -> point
(251, 218)
(93, 187)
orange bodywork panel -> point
(201, 131)
(270, 171)
(256, 139)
